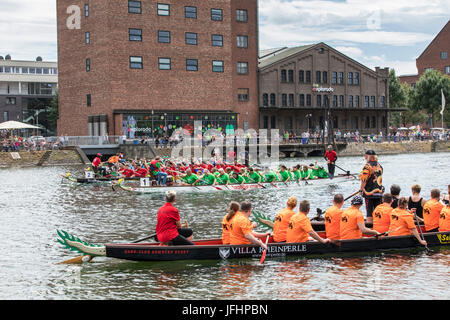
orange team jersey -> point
(382, 217)
(226, 228)
(444, 219)
(431, 212)
(298, 229)
(333, 222)
(282, 224)
(401, 222)
(349, 224)
(240, 226)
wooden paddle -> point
(265, 251)
(349, 197)
(421, 234)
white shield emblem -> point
(224, 253)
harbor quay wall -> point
(67, 156)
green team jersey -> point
(223, 179)
(285, 175)
(246, 178)
(307, 173)
(296, 175)
(209, 179)
(270, 176)
(191, 179)
(255, 177)
(321, 173)
(238, 180)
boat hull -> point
(213, 250)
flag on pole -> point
(443, 102)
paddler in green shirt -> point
(254, 176)
(190, 178)
(285, 174)
(296, 175)
(208, 178)
(237, 178)
(307, 173)
(318, 172)
(270, 176)
(223, 178)
(245, 175)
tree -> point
(397, 96)
(53, 112)
(427, 95)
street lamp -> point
(153, 129)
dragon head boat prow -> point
(74, 243)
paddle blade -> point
(265, 252)
(77, 260)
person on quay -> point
(382, 214)
(372, 183)
(444, 217)
(300, 229)
(233, 208)
(331, 157)
(432, 210)
(333, 218)
(168, 227)
(352, 222)
(402, 222)
(416, 201)
(395, 192)
(242, 229)
(282, 220)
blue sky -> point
(385, 33)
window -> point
(24, 70)
(383, 101)
(217, 66)
(88, 65)
(191, 38)
(241, 15)
(134, 7)
(284, 100)
(5, 116)
(318, 76)
(447, 70)
(291, 75)
(273, 99)
(11, 101)
(302, 100)
(341, 78)
(334, 77)
(341, 101)
(266, 122)
(301, 76)
(242, 67)
(291, 100)
(372, 101)
(136, 63)
(216, 14)
(86, 10)
(87, 38)
(308, 100)
(350, 101)
(356, 78)
(190, 12)
(357, 101)
(88, 100)
(135, 34)
(325, 77)
(273, 122)
(308, 76)
(163, 36)
(283, 76)
(191, 65)
(265, 100)
(243, 95)
(335, 101)
(350, 78)
(242, 41)
(319, 100)
(31, 70)
(217, 40)
(44, 70)
(444, 55)
(374, 122)
(163, 9)
(366, 101)
(38, 70)
(164, 63)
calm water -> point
(35, 202)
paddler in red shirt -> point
(140, 172)
(168, 227)
(331, 157)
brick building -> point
(435, 56)
(304, 88)
(147, 67)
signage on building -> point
(316, 88)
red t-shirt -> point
(331, 155)
(96, 162)
(141, 173)
(166, 226)
(128, 173)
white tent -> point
(14, 125)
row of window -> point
(287, 76)
(305, 100)
(29, 70)
(136, 62)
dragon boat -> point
(70, 178)
(213, 249)
(235, 187)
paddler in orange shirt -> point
(352, 222)
(282, 220)
(402, 222)
(444, 217)
(300, 227)
(333, 218)
(242, 229)
(382, 214)
(226, 221)
(431, 211)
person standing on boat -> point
(402, 222)
(331, 157)
(432, 211)
(168, 227)
(395, 192)
(372, 183)
(226, 221)
(382, 214)
(242, 229)
(281, 224)
(352, 224)
(444, 217)
(416, 201)
(333, 218)
(300, 229)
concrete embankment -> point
(66, 156)
(396, 148)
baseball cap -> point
(357, 200)
(371, 153)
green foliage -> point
(53, 111)
(397, 95)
